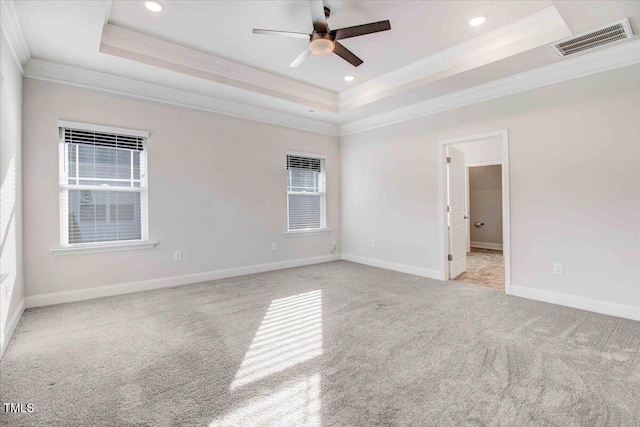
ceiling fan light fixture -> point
(478, 20)
(154, 6)
(322, 45)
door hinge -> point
(448, 159)
(450, 257)
(448, 208)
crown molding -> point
(532, 31)
(13, 32)
(140, 47)
(617, 56)
(79, 77)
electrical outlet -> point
(558, 269)
(177, 256)
(274, 246)
(373, 243)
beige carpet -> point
(485, 267)
(336, 344)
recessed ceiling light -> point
(478, 20)
(349, 78)
(154, 6)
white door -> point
(467, 209)
(457, 212)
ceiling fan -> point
(323, 41)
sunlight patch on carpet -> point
(295, 404)
(290, 333)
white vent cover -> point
(600, 36)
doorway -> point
(475, 243)
(485, 260)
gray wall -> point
(575, 169)
(574, 158)
(217, 190)
(485, 204)
(11, 266)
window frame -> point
(65, 247)
(323, 229)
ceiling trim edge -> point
(532, 31)
(13, 32)
(79, 77)
(618, 56)
(136, 46)
(614, 57)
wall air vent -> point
(600, 36)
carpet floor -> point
(335, 344)
(485, 267)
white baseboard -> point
(167, 282)
(11, 327)
(418, 271)
(589, 304)
(484, 245)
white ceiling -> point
(70, 33)
(223, 28)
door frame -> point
(506, 201)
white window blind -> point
(306, 193)
(103, 187)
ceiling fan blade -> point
(317, 16)
(300, 59)
(346, 54)
(281, 33)
(361, 30)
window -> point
(306, 193)
(103, 185)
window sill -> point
(306, 232)
(106, 247)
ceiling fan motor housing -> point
(321, 36)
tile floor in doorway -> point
(485, 267)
